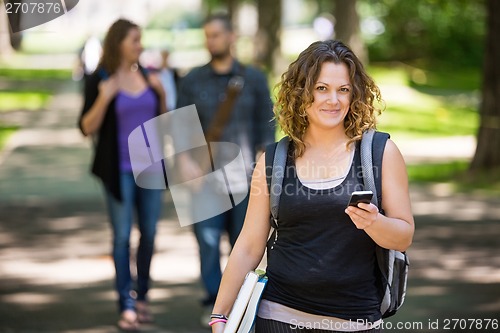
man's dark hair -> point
(222, 17)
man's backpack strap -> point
(276, 156)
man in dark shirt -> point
(249, 126)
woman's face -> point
(332, 96)
(131, 46)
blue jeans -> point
(146, 203)
(208, 234)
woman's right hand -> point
(218, 327)
(108, 88)
(92, 120)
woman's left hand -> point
(155, 83)
(364, 215)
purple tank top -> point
(132, 111)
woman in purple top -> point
(119, 97)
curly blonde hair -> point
(295, 93)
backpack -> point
(393, 265)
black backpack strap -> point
(276, 156)
(270, 150)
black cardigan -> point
(106, 160)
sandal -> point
(144, 315)
(126, 323)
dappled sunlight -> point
(66, 271)
(395, 95)
(490, 307)
(31, 299)
(440, 201)
(65, 223)
(449, 209)
(176, 258)
(428, 291)
(436, 149)
(456, 238)
(108, 295)
(157, 294)
(454, 258)
(65, 172)
(452, 264)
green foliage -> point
(23, 100)
(443, 104)
(440, 78)
(436, 172)
(440, 31)
(35, 74)
(186, 39)
(457, 175)
(419, 121)
(175, 18)
(5, 132)
(51, 43)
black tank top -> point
(321, 263)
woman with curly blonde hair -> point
(297, 86)
(321, 262)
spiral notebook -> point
(242, 316)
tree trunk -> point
(5, 47)
(267, 40)
(347, 27)
(231, 9)
(487, 156)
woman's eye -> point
(344, 89)
(321, 88)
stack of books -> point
(242, 316)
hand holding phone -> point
(360, 196)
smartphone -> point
(360, 196)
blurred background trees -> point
(435, 47)
(436, 62)
(487, 155)
(5, 46)
(347, 27)
(434, 31)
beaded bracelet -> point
(217, 321)
(218, 316)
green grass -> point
(23, 100)
(35, 74)
(442, 78)
(188, 39)
(433, 78)
(5, 132)
(456, 174)
(436, 172)
(436, 121)
(52, 42)
(388, 74)
(439, 108)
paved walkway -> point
(56, 274)
(55, 271)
